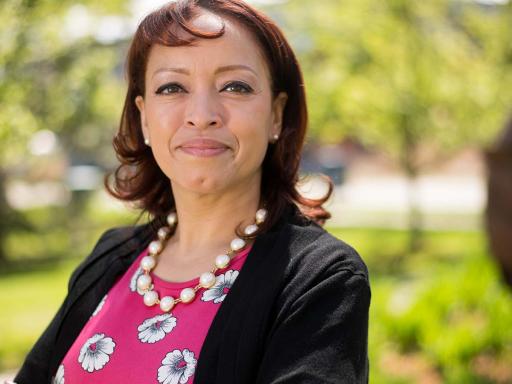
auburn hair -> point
(138, 178)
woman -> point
(209, 144)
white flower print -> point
(218, 292)
(100, 305)
(96, 351)
(177, 367)
(133, 281)
(59, 376)
(155, 328)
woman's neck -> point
(207, 223)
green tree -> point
(49, 80)
(416, 79)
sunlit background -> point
(408, 100)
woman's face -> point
(208, 110)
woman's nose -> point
(203, 111)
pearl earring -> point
(146, 141)
(276, 137)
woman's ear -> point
(139, 102)
(278, 106)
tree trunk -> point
(499, 201)
(409, 165)
(4, 217)
(415, 217)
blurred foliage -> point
(418, 80)
(401, 74)
(47, 239)
(50, 80)
(442, 315)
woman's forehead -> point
(237, 46)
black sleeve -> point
(36, 365)
(323, 338)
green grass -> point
(29, 301)
(441, 315)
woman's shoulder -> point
(320, 271)
(312, 249)
(115, 242)
(124, 237)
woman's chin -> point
(204, 184)
(214, 180)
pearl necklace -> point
(206, 279)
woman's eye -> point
(170, 88)
(238, 87)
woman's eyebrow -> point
(176, 70)
(225, 68)
(235, 67)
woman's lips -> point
(203, 147)
(203, 152)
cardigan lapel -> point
(128, 242)
(93, 280)
(235, 336)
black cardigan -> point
(297, 313)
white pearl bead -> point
(261, 215)
(172, 219)
(155, 247)
(237, 244)
(166, 303)
(150, 298)
(222, 261)
(148, 263)
(187, 295)
(163, 233)
(207, 280)
(144, 282)
(250, 229)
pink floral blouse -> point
(127, 342)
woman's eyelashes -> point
(231, 87)
(238, 87)
(170, 88)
